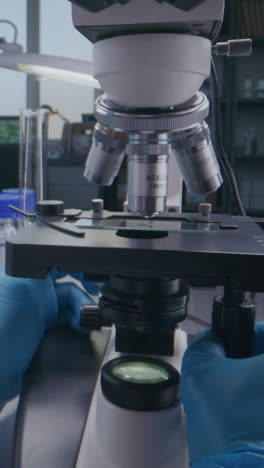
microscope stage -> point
(201, 253)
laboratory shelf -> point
(250, 158)
(258, 42)
(251, 102)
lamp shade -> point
(49, 66)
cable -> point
(13, 26)
(55, 112)
(219, 148)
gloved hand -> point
(223, 400)
(28, 307)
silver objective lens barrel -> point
(147, 183)
(148, 154)
(196, 159)
(105, 157)
(148, 137)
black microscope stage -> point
(201, 252)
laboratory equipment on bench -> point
(151, 58)
(9, 221)
(33, 151)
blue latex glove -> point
(28, 308)
(223, 400)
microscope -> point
(151, 58)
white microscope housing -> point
(151, 58)
(150, 53)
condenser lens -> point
(140, 383)
(140, 372)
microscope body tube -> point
(144, 91)
(135, 72)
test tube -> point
(33, 156)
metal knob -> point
(125, 206)
(50, 208)
(89, 317)
(205, 209)
(233, 48)
(92, 319)
(233, 321)
(98, 205)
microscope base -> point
(115, 437)
(53, 406)
(52, 427)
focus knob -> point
(50, 208)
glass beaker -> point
(33, 152)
